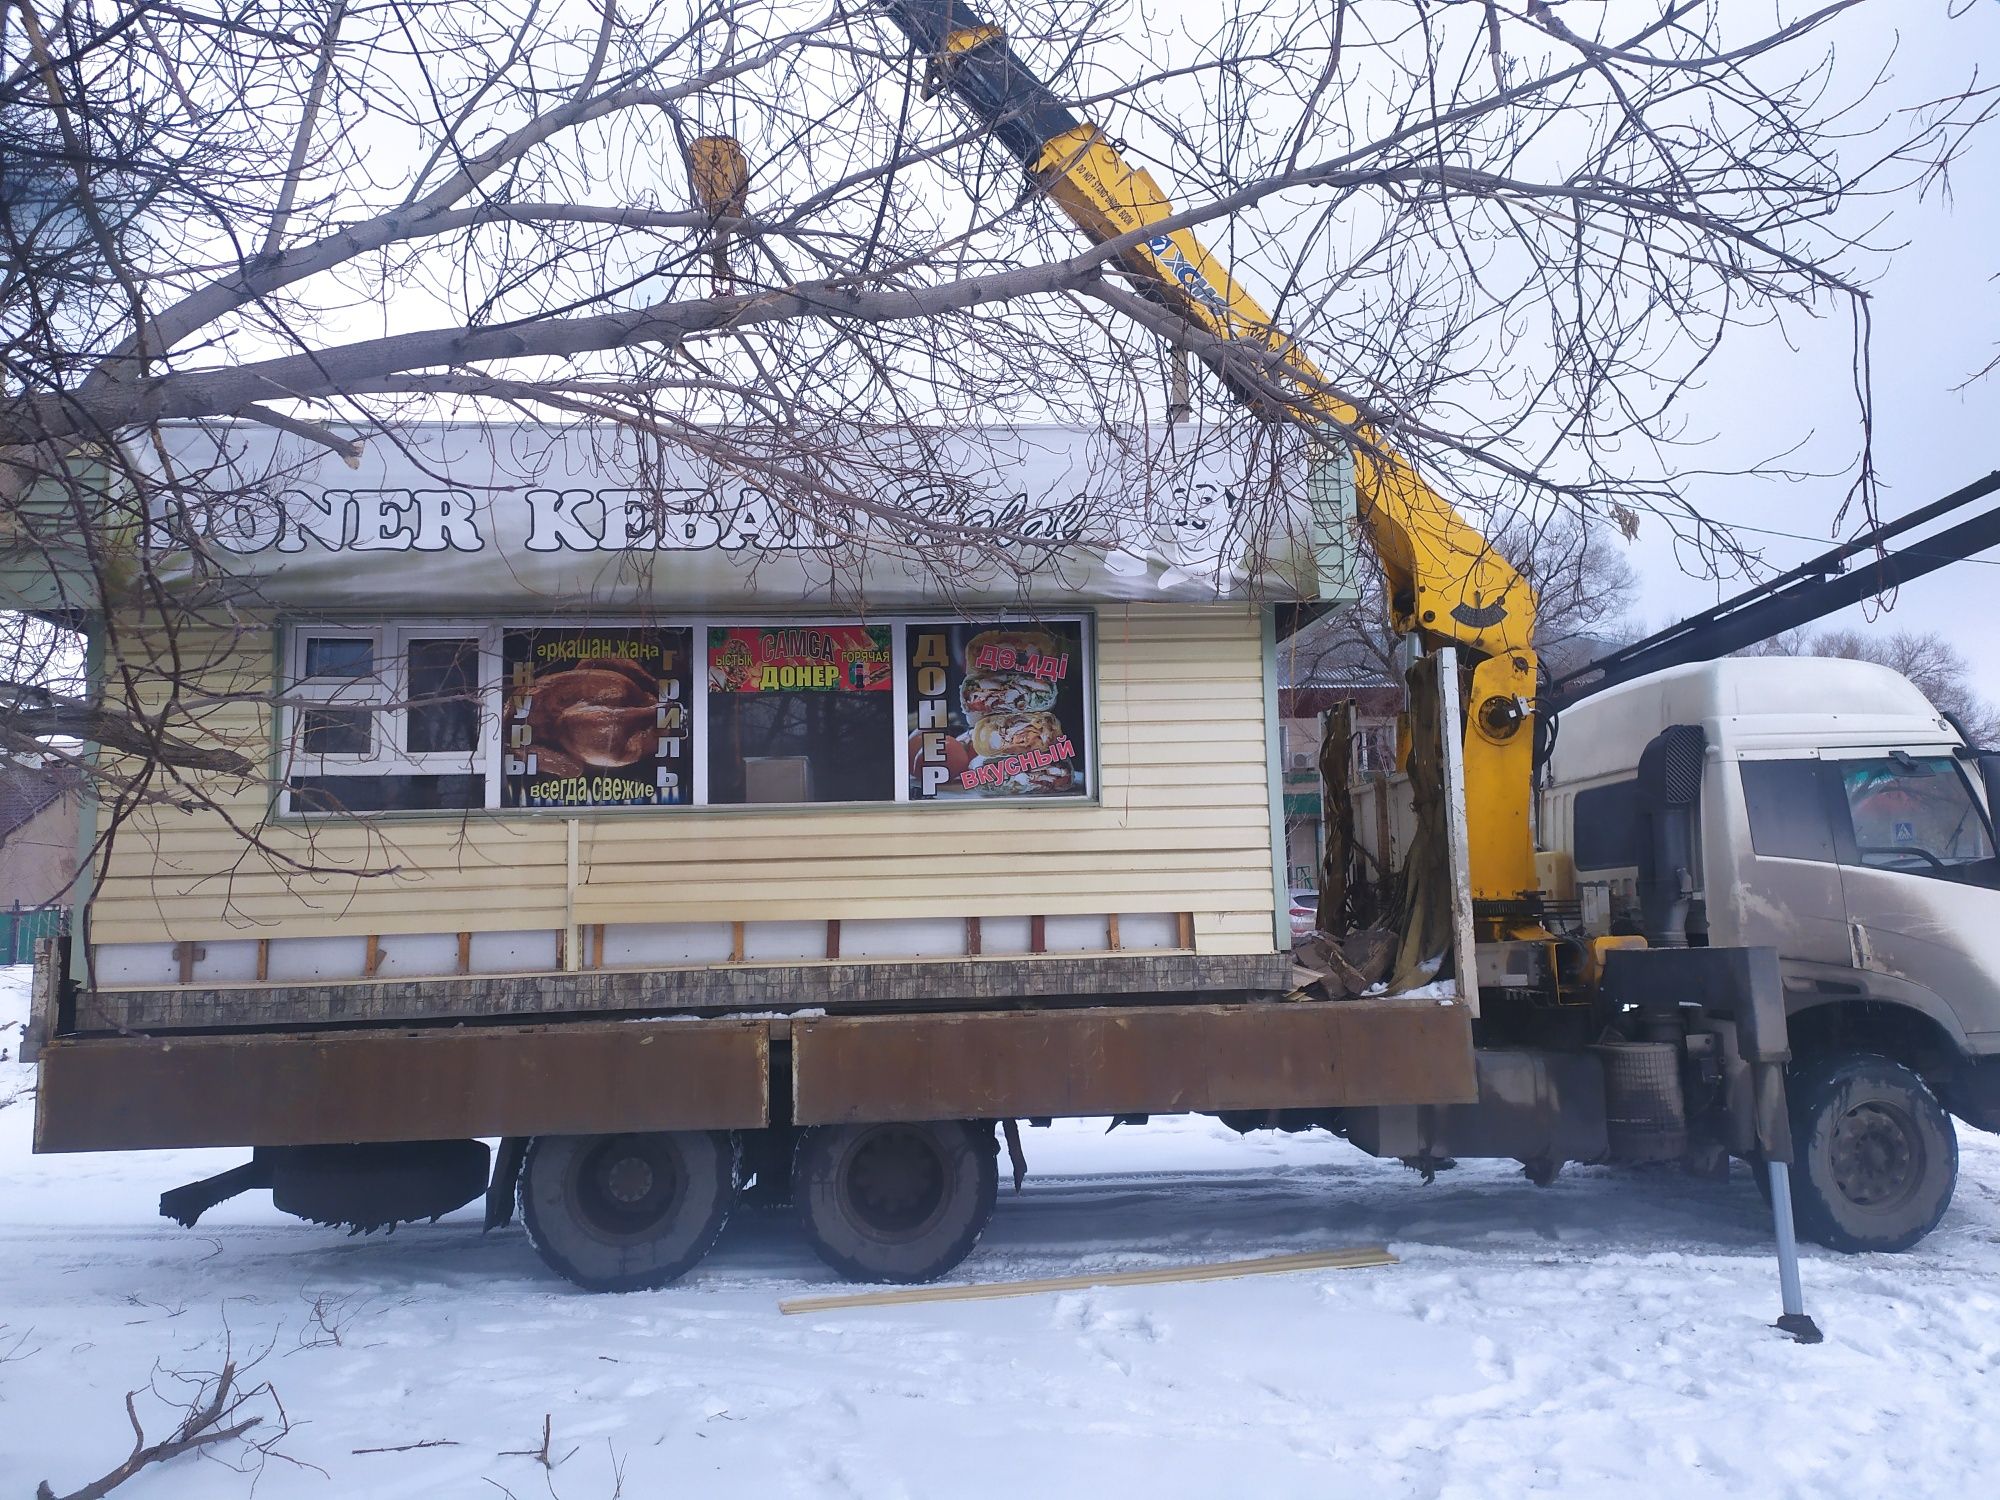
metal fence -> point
(20, 929)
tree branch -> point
(202, 1427)
(37, 713)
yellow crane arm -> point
(1446, 581)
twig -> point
(199, 1428)
(411, 1447)
(541, 1455)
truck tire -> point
(900, 1202)
(626, 1213)
(1876, 1154)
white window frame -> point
(387, 694)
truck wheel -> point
(895, 1202)
(1877, 1156)
(624, 1213)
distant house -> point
(39, 805)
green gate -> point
(19, 931)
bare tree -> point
(1927, 658)
(1512, 232)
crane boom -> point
(1446, 581)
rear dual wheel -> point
(625, 1213)
(899, 1202)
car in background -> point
(1305, 913)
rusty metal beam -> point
(130, 1093)
(1130, 1060)
(586, 1077)
(907, 985)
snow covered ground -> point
(1605, 1337)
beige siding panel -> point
(1166, 691)
(1235, 931)
(1188, 749)
(805, 906)
(1140, 797)
(684, 834)
(1221, 945)
(1182, 824)
(388, 893)
(1192, 662)
(347, 856)
(1110, 845)
(526, 842)
(1082, 891)
(1203, 719)
(736, 891)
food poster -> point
(996, 710)
(800, 658)
(598, 718)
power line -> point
(1820, 541)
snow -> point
(1605, 1337)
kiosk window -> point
(372, 794)
(500, 715)
(801, 713)
(443, 711)
(598, 717)
(996, 710)
(389, 718)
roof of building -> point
(468, 515)
(1334, 654)
(26, 789)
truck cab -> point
(1827, 809)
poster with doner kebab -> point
(598, 718)
(799, 658)
(996, 710)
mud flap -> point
(506, 1173)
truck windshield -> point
(1914, 812)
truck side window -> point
(1787, 809)
(1608, 832)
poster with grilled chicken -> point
(996, 710)
(598, 718)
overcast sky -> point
(1937, 322)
